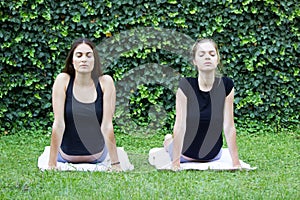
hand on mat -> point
(175, 169)
(116, 168)
(53, 167)
(237, 167)
(175, 166)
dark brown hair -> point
(69, 68)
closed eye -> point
(201, 54)
(90, 54)
(78, 54)
(211, 53)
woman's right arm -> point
(179, 128)
(58, 104)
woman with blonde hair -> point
(204, 108)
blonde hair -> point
(204, 40)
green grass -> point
(276, 155)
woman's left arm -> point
(109, 102)
(229, 129)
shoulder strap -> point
(70, 86)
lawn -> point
(276, 154)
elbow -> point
(107, 130)
(179, 130)
(58, 127)
(230, 131)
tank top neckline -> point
(97, 84)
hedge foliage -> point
(258, 40)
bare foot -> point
(167, 141)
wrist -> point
(236, 163)
(115, 163)
(52, 164)
(176, 163)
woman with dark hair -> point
(83, 102)
(204, 108)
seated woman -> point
(83, 104)
(204, 107)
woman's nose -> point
(207, 57)
(83, 58)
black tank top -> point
(82, 134)
(204, 122)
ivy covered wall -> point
(258, 40)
